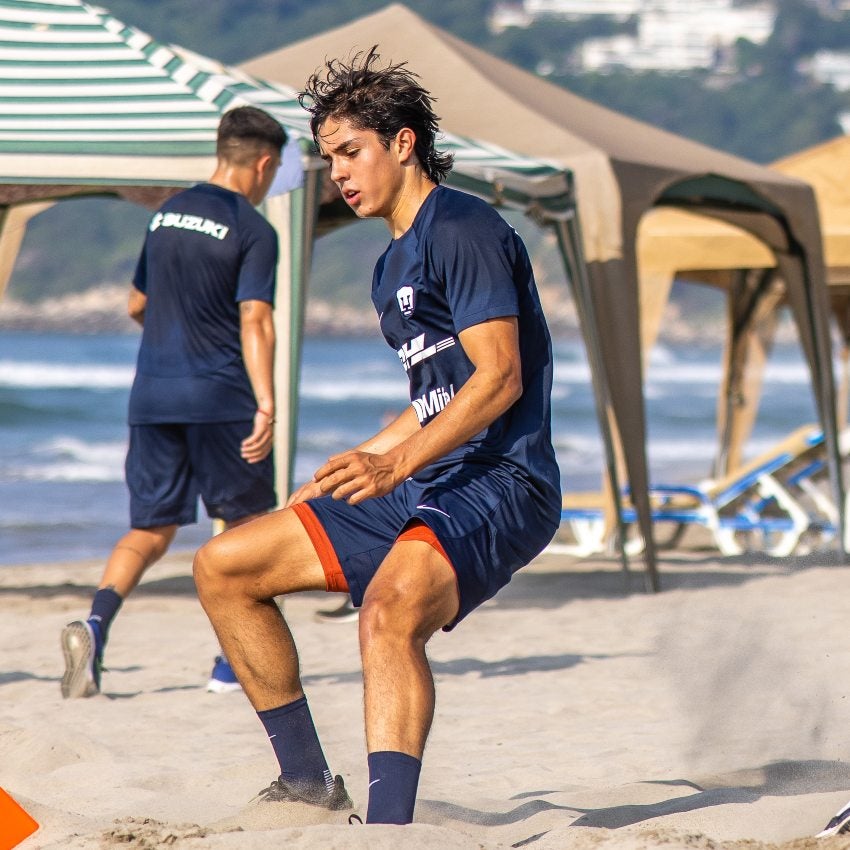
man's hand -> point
(136, 303)
(258, 444)
(356, 476)
(310, 490)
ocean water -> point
(63, 435)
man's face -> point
(368, 176)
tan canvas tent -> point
(826, 167)
(622, 169)
(673, 242)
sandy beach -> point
(570, 714)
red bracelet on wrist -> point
(265, 413)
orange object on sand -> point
(15, 823)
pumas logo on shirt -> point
(405, 301)
(183, 221)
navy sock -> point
(104, 607)
(296, 744)
(393, 779)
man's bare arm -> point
(405, 424)
(496, 383)
(258, 343)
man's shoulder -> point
(453, 202)
(251, 220)
(451, 206)
(207, 198)
(458, 217)
(200, 199)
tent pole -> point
(743, 303)
(843, 395)
(13, 228)
(569, 242)
(821, 365)
(293, 215)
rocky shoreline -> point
(102, 309)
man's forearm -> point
(258, 345)
(390, 436)
(478, 403)
(496, 383)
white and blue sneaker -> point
(222, 679)
(82, 661)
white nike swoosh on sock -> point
(373, 782)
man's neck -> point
(232, 178)
(410, 199)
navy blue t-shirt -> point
(206, 250)
(458, 265)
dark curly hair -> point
(384, 100)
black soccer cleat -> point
(281, 791)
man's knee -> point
(410, 598)
(268, 557)
(379, 615)
(205, 565)
(392, 613)
(217, 564)
(163, 536)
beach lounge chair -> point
(753, 508)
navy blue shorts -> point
(488, 522)
(169, 466)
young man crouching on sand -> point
(430, 517)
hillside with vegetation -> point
(760, 106)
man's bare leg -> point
(83, 641)
(413, 594)
(137, 550)
(238, 574)
(222, 678)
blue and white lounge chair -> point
(752, 508)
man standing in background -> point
(202, 405)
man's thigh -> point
(271, 555)
(415, 587)
(487, 524)
(355, 539)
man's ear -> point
(405, 143)
(264, 162)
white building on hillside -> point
(677, 35)
(583, 8)
(505, 15)
(829, 66)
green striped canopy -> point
(84, 97)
